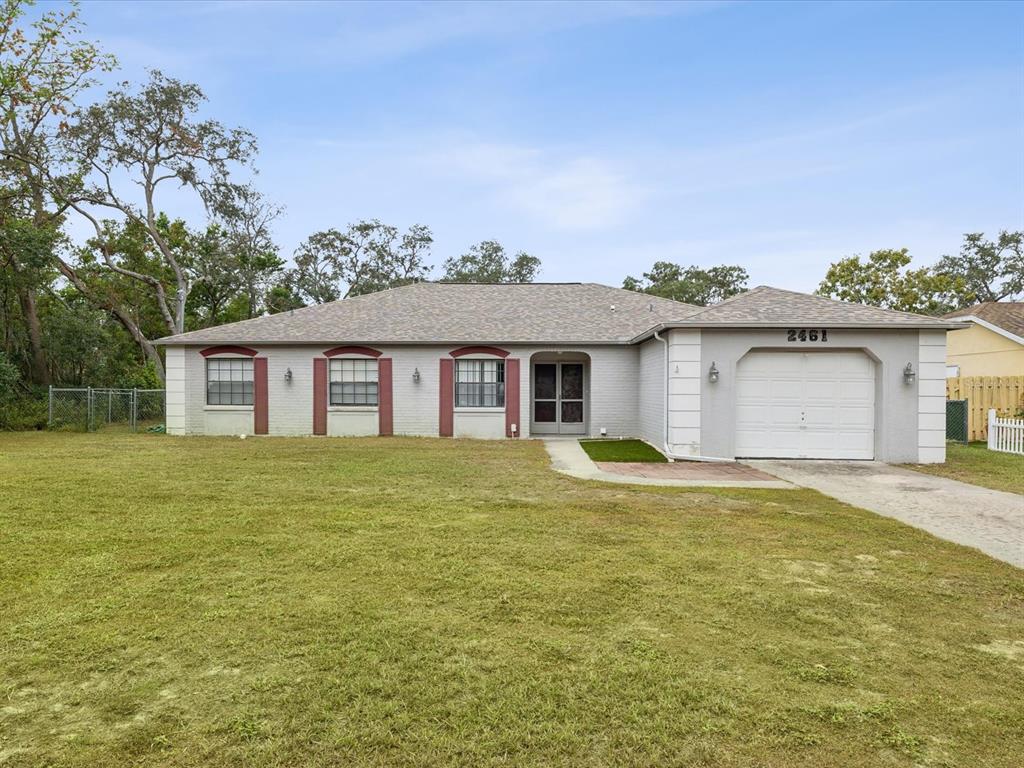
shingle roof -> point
(1008, 315)
(459, 313)
(773, 307)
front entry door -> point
(558, 402)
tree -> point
(487, 262)
(246, 217)
(369, 256)
(691, 285)
(987, 271)
(884, 281)
(43, 69)
(150, 137)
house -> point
(767, 373)
(993, 343)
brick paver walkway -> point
(685, 470)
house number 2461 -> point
(807, 334)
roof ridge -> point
(852, 303)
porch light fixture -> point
(713, 373)
(908, 374)
(416, 375)
(288, 375)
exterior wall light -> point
(288, 375)
(713, 373)
(416, 376)
(908, 374)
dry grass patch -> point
(418, 602)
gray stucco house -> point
(767, 373)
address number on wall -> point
(807, 334)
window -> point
(479, 383)
(952, 371)
(353, 382)
(229, 381)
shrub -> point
(23, 413)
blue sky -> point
(603, 137)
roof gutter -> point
(946, 326)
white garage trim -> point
(805, 405)
(931, 397)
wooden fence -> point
(1005, 394)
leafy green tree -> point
(368, 256)
(487, 262)
(45, 65)
(883, 280)
(691, 285)
(283, 296)
(986, 270)
(9, 378)
(246, 217)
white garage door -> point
(805, 405)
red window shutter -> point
(319, 396)
(512, 397)
(446, 426)
(385, 409)
(260, 410)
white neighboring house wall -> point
(651, 402)
(931, 397)
(685, 370)
(174, 392)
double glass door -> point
(558, 401)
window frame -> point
(500, 394)
(248, 370)
(375, 381)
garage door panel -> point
(785, 390)
(805, 405)
(754, 388)
(819, 416)
(862, 417)
(863, 390)
(820, 390)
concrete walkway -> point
(569, 458)
(992, 521)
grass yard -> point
(621, 450)
(975, 463)
(417, 602)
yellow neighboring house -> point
(992, 346)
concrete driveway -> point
(992, 521)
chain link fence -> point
(956, 421)
(93, 409)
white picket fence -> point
(1005, 435)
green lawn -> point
(417, 602)
(975, 463)
(621, 450)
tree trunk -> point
(39, 372)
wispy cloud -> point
(563, 192)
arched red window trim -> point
(461, 351)
(228, 350)
(368, 351)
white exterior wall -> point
(352, 422)
(931, 397)
(174, 391)
(613, 381)
(651, 405)
(684, 391)
(897, 404)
